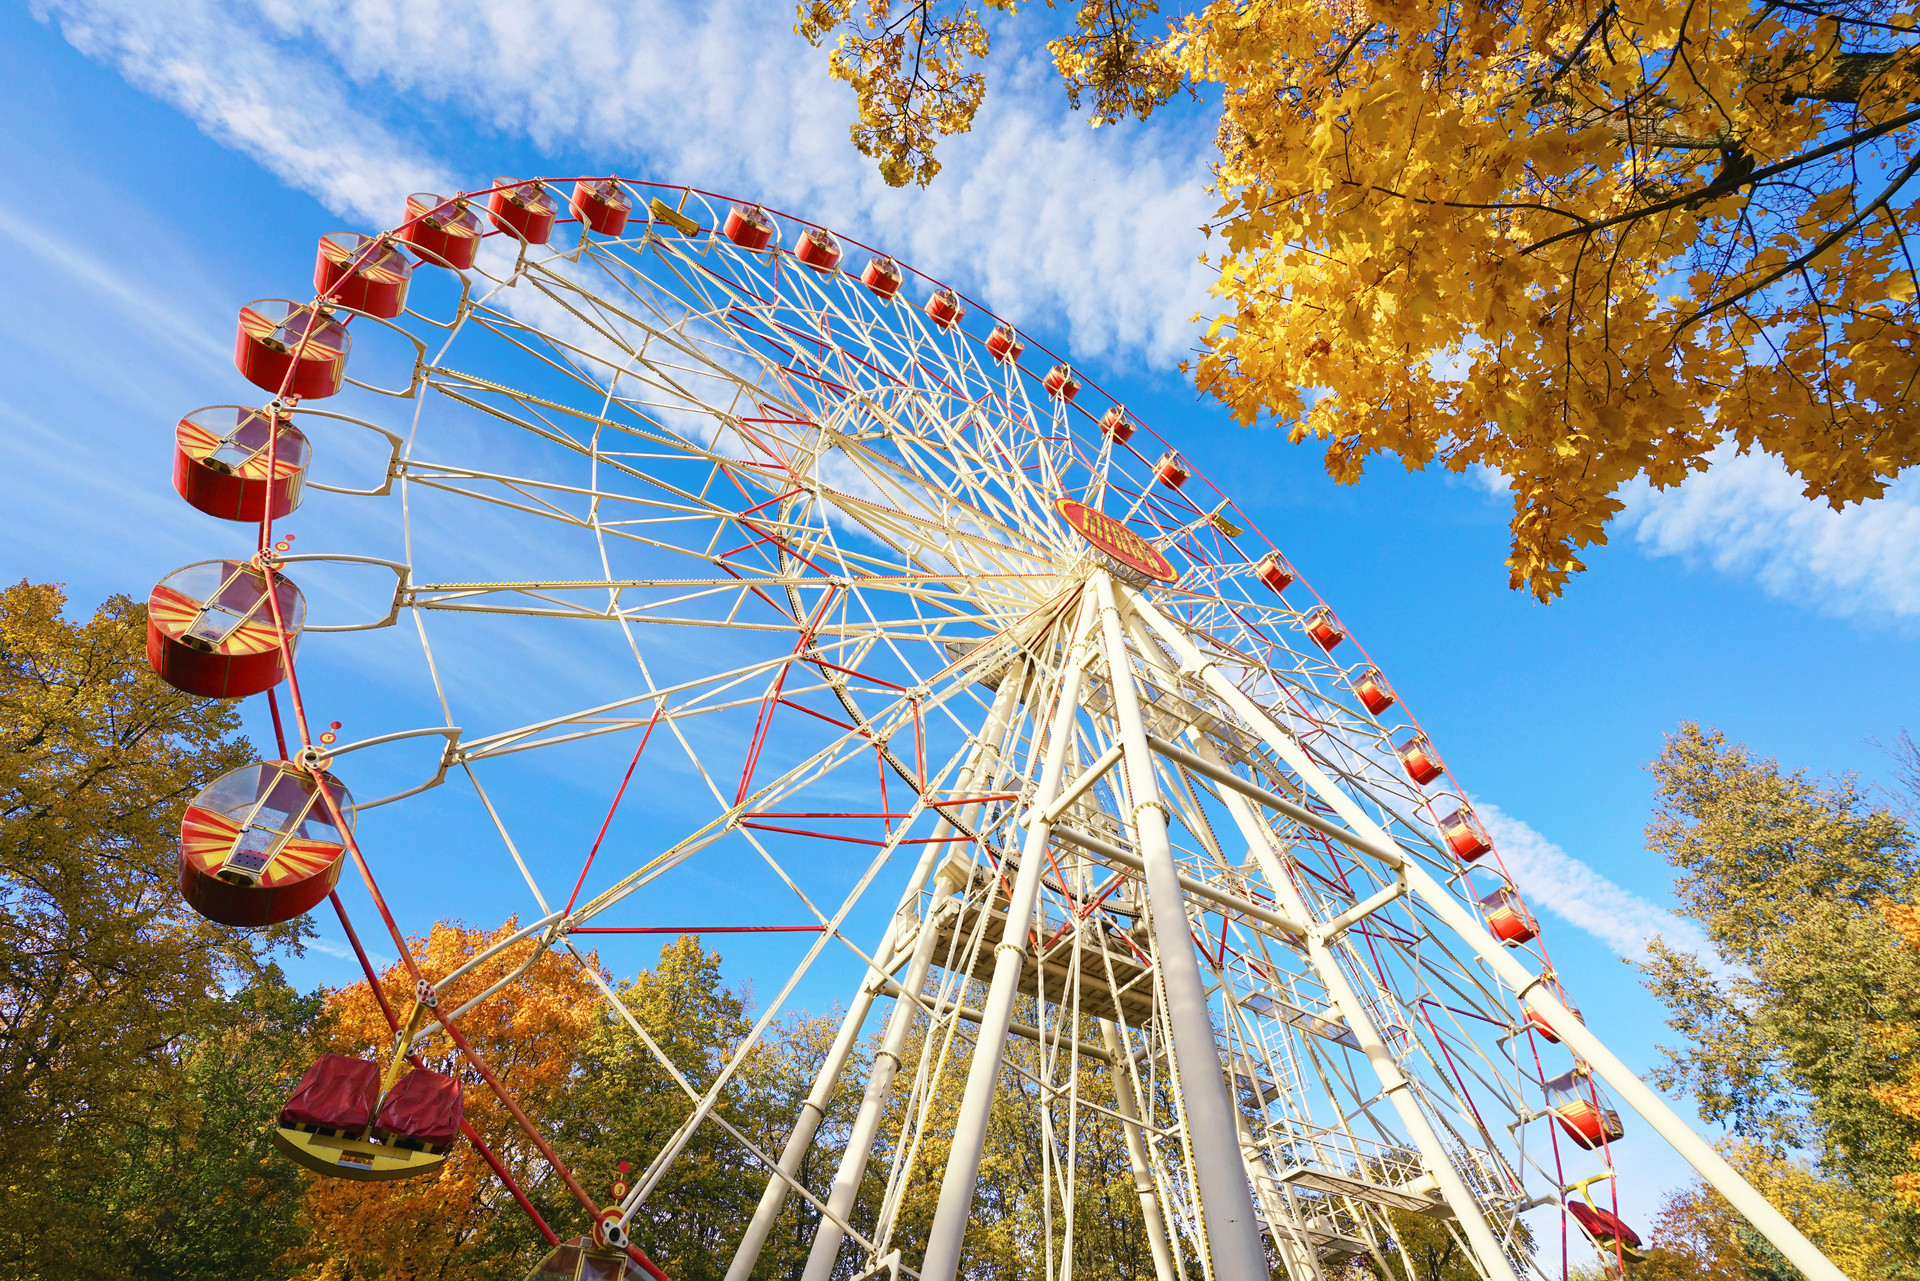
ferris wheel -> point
(953, 644)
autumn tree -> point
(1698, 1236)
(1579, 243)
(461, 1221)
(1795, 1042)
(196, 1188)
(575, 1065)
(108, 982)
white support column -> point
(828, 1237)
(942, 1261)
(1127, 1104)
(1393, 1082)
(982, 762)
(1367, 836)
(1213, 1141)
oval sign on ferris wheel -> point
(1115, 539)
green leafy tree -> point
(107, 979)
(199, 1191)
(1794, 1046)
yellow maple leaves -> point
(1578, 243)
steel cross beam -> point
(983, 761)
(1366, 835)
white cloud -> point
(1552, 880)
(288, 112)
(1746, 515)
(1047, 221)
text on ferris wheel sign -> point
(1115, 539)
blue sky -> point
(172, 162)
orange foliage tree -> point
(460, 1221)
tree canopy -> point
(1799, 1041)
(111, 988)
(1577, 242)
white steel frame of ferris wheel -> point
(1111, 615)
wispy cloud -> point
(1552, 880)
(287, 111)
(1746, 515)
(1045, 220)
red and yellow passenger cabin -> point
(260, 846)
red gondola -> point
(1581, 1112)
(1061, 383)
(1608, 1232)
(1171, 470)
(1273, 570)
(944, 308)
(749, 227)
(1116, 425)
(1004, 343)
(883, 276)
(258, 846)
(220, 461)
(1419, 759)
(1324, 628)
(1508, 917)
(444, 231)
(602, 205)
(366, 273)
(1375, 694)
(337, 1124)
(1463, 832)
(210, 629)
(582, 1260)
(526, 209)
(1539, 1023)
(277, 335)
(818, 249)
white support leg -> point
(1226, 1201)
(1127, 1104)
(1393, 1082)
(1712, 1167)
(866, 1122)
(942, 1261)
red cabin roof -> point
(1419, 759)
(210, 629)
(422, 1109)
(1603, 1226)
(291, 348)
(337, 1093)
(944, 308)
(365, 273)
(1004, 343)
(441, 230)
(220, 461)
(1171, 470)
(883, 276)
(258, 846)
(524, 209)
(819, 249)
(602, 205)
(749, 227)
